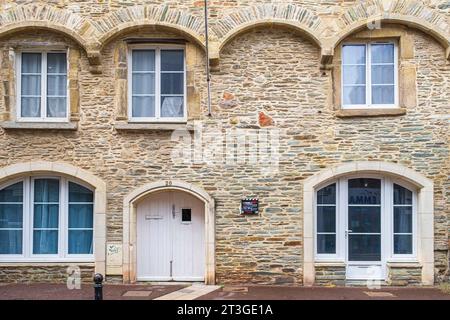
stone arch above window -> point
(373, 14)
(425, 211)
(138, 17)
(31, 16)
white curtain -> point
(172, 107)
(31, 85)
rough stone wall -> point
(47, 274)
(265, 70)
(404, 276)
(330, 275)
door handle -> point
(347, 232)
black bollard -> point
(98, 286)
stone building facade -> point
(278, 71)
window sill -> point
(27, 263)
(13, 125)
(351, 113)
(329, 263)
(152, 126)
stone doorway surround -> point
(425, 211)
(129, 225)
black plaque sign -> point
(249, 206)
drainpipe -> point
(208, 75)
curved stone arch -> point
(291, 16)
(136, 17)
(375, 12)
(31, 16)
(425, 210)
(98, 185)
(129, 224)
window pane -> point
(354, 54)
(78, 193)
(143, 83)
(46, 216)
(326, 243)
(11, 215)
(364, 248)
(326, 219)
(31, 62)
(143, 107)
(56, 63)
(10, 241)
(143, 60)
(364, 191)
(402, 244)
(80, 241)
(383, 74)
(46, 190)
(172, 60)
(354, 74)
(327, 195)
(382, 53)
(364, 219)
(383, 95)
(355, 95)
(172, 83)
(56, 107)
(81, 216)
(45, 242)
(12, 193)
(56, 85)
(172, 106)
(30, 107)
(402, 195)
(31, 85)
(402, 219)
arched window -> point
(47, 218)
(365, 221)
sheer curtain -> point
(46, 216)
(143, 83)
(31, 85)
(81, 219)
(56, 85)
(11, 219)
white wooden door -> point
(170, 238)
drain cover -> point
(379, 294)
(140, 293)
(235, 289)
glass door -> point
(364, 229)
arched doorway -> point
(378, 214)
(170, 237)
(154, 229)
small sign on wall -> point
(250, 206)
(114, 258)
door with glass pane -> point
(364, 229)
(170, 238)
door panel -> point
(188, 248)
(154, 239)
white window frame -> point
(157, 117)
(387, 220)
(63, 221)
(369, 104)
(43, 117)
